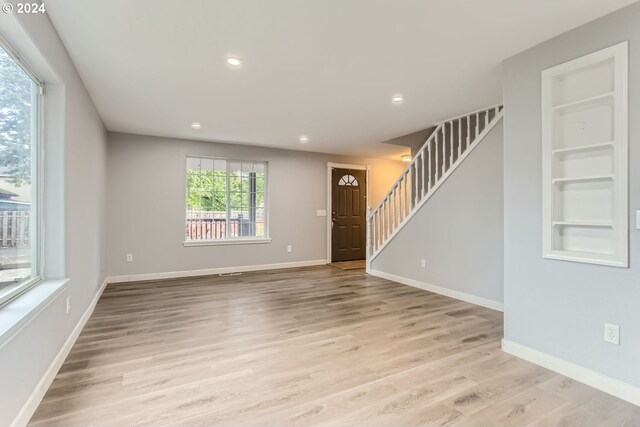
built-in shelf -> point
(584, 159)
(586, 257)
(583, 148)
(604, 224)
(583, 101)
(584, 178)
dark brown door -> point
(348, 214)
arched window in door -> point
(348, 180)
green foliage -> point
(16, 89)
(207, 190)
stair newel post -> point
(369, 235)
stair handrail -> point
(400, 203)
(462, 116)
(405, 172)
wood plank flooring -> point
(305, 347)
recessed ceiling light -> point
(196, 126)
(406, 158)
(234, 61)
(397, 99)
(304, 139)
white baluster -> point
(438, 154)
(407, 207)
(429, 167)
(415, 170)
(459, 137)
(399, 201)
(396, 214)
(387, 220)
(486, 119)
(477, 126)
(422, 173)
(381, 214)
(450, 143)
(401, 196)
(392, 210)
(468, 132)
(378, 228)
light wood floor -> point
(302, 347)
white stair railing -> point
(442, 152)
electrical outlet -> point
(289, 249)
(423, 263)
(129, 257)
(612, 333)
(68, 305)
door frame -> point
(330, 166)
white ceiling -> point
(323, 68)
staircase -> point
(444, 150)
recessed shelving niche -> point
(584, 147)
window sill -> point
(222, 242)
(19, 311)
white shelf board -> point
(604, 224)
(584, 178)
(586, 257)
(583, 101)
(584, 148)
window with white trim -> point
(226, 200)
(19, 129)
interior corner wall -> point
(146, 204)
(458, 231)
(559, 307)
(74, 214)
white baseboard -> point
(462, 296)
(34, 400)
(212, 271)
(591, 378)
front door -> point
(348, 214)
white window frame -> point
(242, 240)
(37, 176)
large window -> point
(226, 200)
(19, 95)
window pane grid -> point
(225, 199)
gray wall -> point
(560, 307)
(459, 231)
(146, 204)
(75, 224)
